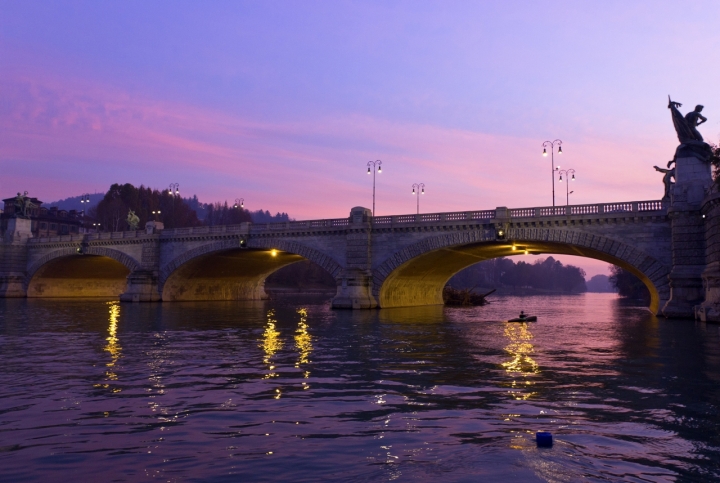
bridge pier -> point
(355, 281)
(142, 286)
(354, 291)
(709, 310)
(13, 258)
(692, 180)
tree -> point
(222, 214)
(715, 162)
(543, 274)
(112, 211)
(627, 284)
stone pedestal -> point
(142, 286)
(355, 282)
(693, 179)
(19, 230)
(152, 227)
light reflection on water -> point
(291, 390)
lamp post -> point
(156, 213)
(552, 145)
(371, 165)
(85, 199)
(174, 191)
(240, 202)
(420, 187)
(97, 227)
(567, 173)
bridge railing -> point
(539, 212)
(612, 209)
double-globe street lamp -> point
(240, 202)
(553, 168)
(174, 191)
(156, 213)
(420, 187)
(371, 165)
(567, 173)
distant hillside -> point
(73, 203)
(259, 216)
(600, 283)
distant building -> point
(45, 221)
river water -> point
(289, 390)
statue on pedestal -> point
(132, 220)
(686, 127)
(691, 141)
(23, 205)
(668, 179)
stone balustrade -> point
(612, 209)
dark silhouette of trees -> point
(175, 212)
(544, 274)
(261, 216)
(715, 162)
(628, 285)
(223, 214)
(112, 211)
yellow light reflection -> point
(271, 343)
(521, 365)
(303, 340)
(303, 344)
(113, 343)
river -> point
(290, 390)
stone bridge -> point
(385, 261)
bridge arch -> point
(67, 272)
(221, 270)
(417, 274)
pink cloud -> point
(312, 168)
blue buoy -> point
(544, 439)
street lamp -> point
(567, 173)
(156, 213)
(421, 191)
(174, 192)
(240, 202)
(371, 165)
(97, 227)
(85, 199)
(552, 144)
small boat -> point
(524, 318)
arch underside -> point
(420, 280)
(230, 274)
(78, 276)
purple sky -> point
(283, 103)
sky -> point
(283, 103)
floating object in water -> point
(465, 298)
(524, 318)
(544, 439)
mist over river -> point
(290, 390)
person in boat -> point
(522, 314)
